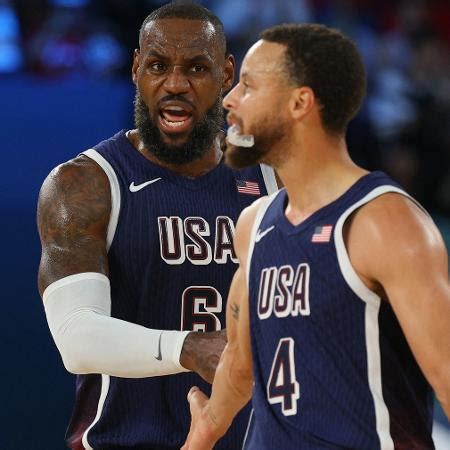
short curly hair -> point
(329, 63)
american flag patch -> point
(248, 187)
(322, 234)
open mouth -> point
(175, 119)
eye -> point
(198, 68)
(158, 66)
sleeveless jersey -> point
(171, 261)
(332, 367)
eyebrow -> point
(197, 58)
(201, 58)
(154, 54)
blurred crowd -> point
(403, 128)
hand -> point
(203, 433)
(201, 352)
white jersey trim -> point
(112, 226)
(101, 402)
(265, 203)
(247, 431)
(269, 178)
(115, 192)
(373, 302)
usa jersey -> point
(332, 367)
(171, 261)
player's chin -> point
(240, 157)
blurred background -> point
(65, 85)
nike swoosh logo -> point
(159, 355)
(138, 187)
(260, 234)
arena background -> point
(65, 85)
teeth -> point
(174, 108)
(174, 124)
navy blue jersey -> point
(332, 367)
(171, 261)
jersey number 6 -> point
(199, 305)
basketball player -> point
(137, 244)
(340, 310)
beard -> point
(199, 141)
(267, 137)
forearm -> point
(231, 390)
(201, 352)
(100, 344)
(90, 341)
(233, 382)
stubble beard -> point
(267, 147)
(200, 140)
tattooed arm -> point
(73, 214)
(233, 383)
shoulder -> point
(80, 174)
(393, 216)
(390, 232)
(73, 170)
(244, 227)
(76, 191)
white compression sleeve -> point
(78, 310)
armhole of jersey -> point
(371, 325)
(265, 203)
(347, 270)
(115, 193)
(269, 178)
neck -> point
(317, 171)
(194, 169)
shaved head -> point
(189, 11)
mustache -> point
(233, 118)
(178, 98)
(198, 142)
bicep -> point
(73, 215)
(404, 253)
(418, 290)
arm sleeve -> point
(78, 310)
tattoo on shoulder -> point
(235, 310)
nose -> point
(176, 81)
(230, 100)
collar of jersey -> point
(323, 216)
(170, 176)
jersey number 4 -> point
(200, 304)
(282, 386)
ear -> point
(135, 66)
(301, 102)
(228, 72)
